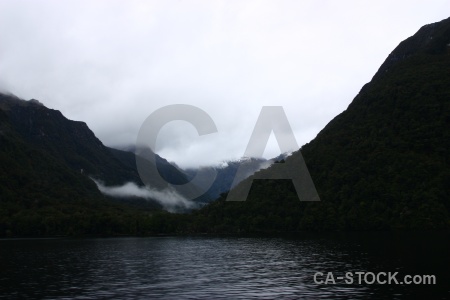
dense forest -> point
(381, 164)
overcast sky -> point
(112, 63)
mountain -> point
(70, 142)
(40, 194)
(47, 164)
(169, 173)
(381, 164)
(225, 173)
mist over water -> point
(169, 199)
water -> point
(228, 268)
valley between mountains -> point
(382, 164)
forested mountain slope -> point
(382, 163)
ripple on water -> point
(196, 268)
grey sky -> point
(112, 63)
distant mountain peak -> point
(36, 102)
(8, 99)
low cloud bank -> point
(169, 199)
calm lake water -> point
(228, 268)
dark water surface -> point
(229, 268)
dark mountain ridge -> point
(381, 164)
(70, 141)
(40, 195)
(431, 39)
(47, 163)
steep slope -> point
(74, 147)
(382, 163)
(71, 142)
(41, 195)
(26, 167)
(46, 166)
(169, 172)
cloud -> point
(112, 63)
(169, 199)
